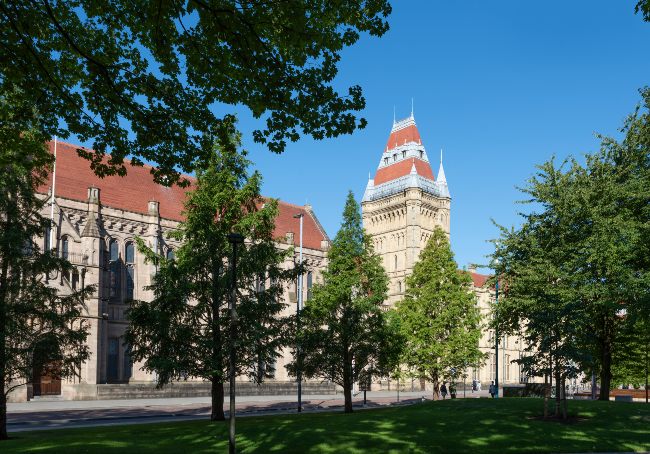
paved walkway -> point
(40, 415)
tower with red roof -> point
(404, 203)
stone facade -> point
(96, 231)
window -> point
(395, 263)
(170, 254)
(114, 270)
(129, 254)
(395, 157)
(399, 286)
(75, 279)
(46, 238)
(421, 154)
(506, 367)
(309, 284)
(404, 153)
(385, 161)
(64, 247)
(260, 283)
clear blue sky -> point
(501, 85)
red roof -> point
(402, 136)
(403, 168)
(133, 192)
(479, 279)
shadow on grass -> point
(472, 425)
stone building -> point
(96, 221)
(401, 207)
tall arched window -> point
(64, 247)
(395, 262)
(310, 283)
(129, 259)
(399, 286)
(114, 269)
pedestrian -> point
(443, 390)
(492, 389)
(478, 385)
(452, 390)
(474, 385)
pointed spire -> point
(412, 116)
(441, 171)
(91, 229)
(413, 169)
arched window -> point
(170, 254)
(395, 157)
(404, 153)
(385, 161)
(64, 247)
(129, 258)
(421, 154)
(115, 269)
(395, 262)
(46, 239)
(399, 286)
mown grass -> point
(471, 425)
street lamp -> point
(496, 342)
(298, 308)
(234, 239)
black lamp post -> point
(235, 239)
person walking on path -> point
(452, 390)
(443, 390)
(492, 389)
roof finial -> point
(440, 155)
(411, 107)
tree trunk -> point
(565, 412)
(547, 391)
(347, 381)
(217, 413)
(558, 390)
(4, 278)
(605, 362)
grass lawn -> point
(471, 425)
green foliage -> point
(345, 334)
(643, 7)
(439, 318)
(577, 270)
(38, 326)
(185, 330)
(146, 78)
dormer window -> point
(404, 153)
(421, 154)
(395, 157)
(386, 161)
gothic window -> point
(114, 270)
(395, 262)
(170, 254)
(64, 247)
(421, 154)
(309, 284)
(395, 157)
(129, 255)
(46, 238)
(404, 153)
(385, 161)
(399, 286)
(75, 279)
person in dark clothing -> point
(443, 390)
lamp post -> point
(496, 343)
(298, 308)
(235, 239)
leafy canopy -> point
(148, 79)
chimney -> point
(93, 195)
(153, 208)
(289, 237)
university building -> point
(96, 221)
(401, 207)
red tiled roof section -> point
(403, 168)
(479, 279)
(402, 136)
(137, 188)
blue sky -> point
(500, 85)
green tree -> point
(439, 318)
(643, 7)
(185, 330)
(146, 78)
(345, 334)
(580, 260)
(39, 328)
